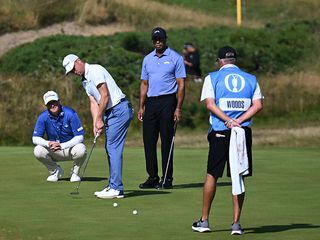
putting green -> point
(282, 199)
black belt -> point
(162, 96)
(121, 100)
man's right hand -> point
(54, 146)
(98, 127)
(232, 123)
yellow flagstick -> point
(239, 12)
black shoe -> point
(167, 184)
(150, 183)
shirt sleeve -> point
(40, 141)
(99, 76)
(207, 89)
(39, 128)
(144, 72)
(76, 125)
(180, 70)
(72, 142)
(257, 93)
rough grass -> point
(303, 136)
(33, 14)
(290, 93)
(270, 11)
(150, 13)
(16, 15)
(271, 131)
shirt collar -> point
(166, 52)
(61, 114)
(86, 70)
(229, 65)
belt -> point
(162, 96)
(120, 101)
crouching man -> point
(64, 142)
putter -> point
(168, 162)
(85, 166)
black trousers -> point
(219, 142)
(159, 118)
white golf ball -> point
(134, 212)
(115, 204)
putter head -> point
(74, 193)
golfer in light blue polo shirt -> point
(161, 98)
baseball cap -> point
(227, 52)
(68, 62)
(158, 33)
(50, 96)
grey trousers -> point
(49, 158)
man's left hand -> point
(232, 123)
(99, 126)
(177, 115)
(54, 146)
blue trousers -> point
(117, 121)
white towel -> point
(238, 159)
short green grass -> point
(282, 199)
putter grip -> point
(175, 128)
(95, 139)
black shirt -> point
(193, 58)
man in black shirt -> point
(192, 62)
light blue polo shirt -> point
(162, 72)
(59, 129)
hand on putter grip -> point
(99, 125)
(177, 115)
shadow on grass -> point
(87, 179)
(280, 228)
(198, 185)
(138, 193)
(275, 228)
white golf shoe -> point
(54, 177)
(75, 174)
(102, 191)
(111, 193)
(75, 178)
